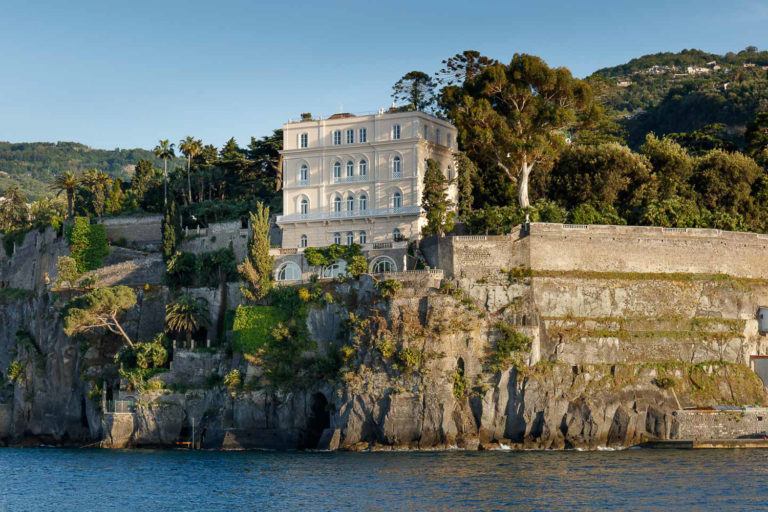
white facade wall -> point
(379, 185)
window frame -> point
(363, 237)
(337, 238)
(350, 168)
(363, 202)
(304, 140)
(337, 170)
(362, 168)
(303, 242)
(397, 200)
(396, 132)
(304, 174)
(304, 206)
(397, 167)
(362, 135)
(337, 137)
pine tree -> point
(435, 201)
(256, 270)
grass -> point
(649, 276)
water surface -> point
(34, 479)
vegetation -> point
(505, 351)
(256, 270)
(99, 309)
(87, 244)
(207, 269)
(14, 371)
(434, 200)
(67, 271)
(233, 380)
(252, 326)
(186, 315)
(388, 287)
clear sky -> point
(125, 74)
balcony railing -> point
(349, 179)
(350, 214)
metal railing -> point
(350, 214)
(350, 179)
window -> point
(395, 132)
(396, 235)
(303, 241)
(350, 238)
(363, 135)
(350, 136)
(450, 173)
(363, 237)
(337, 238)
(337, 171)
(289, 272)
(336, 269)
(337, 137)
(363, 203)
(350, 169)
(304, 173)
(426, 132)
(303, 139)
(448, 140)
(397, 200)
(304, 206)
(350, 203)
(383, 264)
(437, 135)
(363, 168)
(397, 168)
(337, 204)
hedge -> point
(252, 326)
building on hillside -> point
(359, 179)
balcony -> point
(353, 214)
(349, 179)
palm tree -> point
(191, 148)
(187, 314)
(165, 151)
(66, 182)
(97, 183)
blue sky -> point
(125, 74)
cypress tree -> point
(435, 201)
(256, 270)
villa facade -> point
(359, 179)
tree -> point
(756, 138)
(231, 151)
(513, 116)
(48, 212)
(435, 201)
(415, 89)
(143, 175)
(672, 166)
(97, 183)
(186, 315)
(66, 268)
(599, 175)
(191, 147)
(99, 309)
(171, 230)
(724, 181)
(66, 182)
(14, 213)
(265, 153)
(256, 270)
(87, 244)
(463, 67)
(467, 171)
(165, 151)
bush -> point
(409, 359)
(14, 371)
(67, 271)
(87, 243)
(186, 269)
(460, 384)
(252, 326)
(388, 287)
(510, 343)
(233, 380)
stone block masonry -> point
(139, 230)
(704, 424)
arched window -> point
(350, 238)
(337, 171)
(304, 173)
(337, 204)
(289, 272)
(350, 136)
(395, 132)
(397, 200)
(396, 235)
(383, 264)
(337, 137)
(304, 206)
(303, 140)
(336, 269)
(363, 168)
(350, 203)
(363, 203)
(397, 167)
(363, 237)
(303, 241)
(350, 169)
(337, 238)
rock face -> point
(596, 361)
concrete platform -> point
(706, 444)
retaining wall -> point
(714, 424)
(139, 230)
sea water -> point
(37, 479)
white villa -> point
(359, 179)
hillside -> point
(685, 91)
(34, 164)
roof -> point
(341, 115)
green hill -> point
(34, 164)
(685, 91)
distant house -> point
(624, 83)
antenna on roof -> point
(341, 108)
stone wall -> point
(141, 231)
(561, 247)
(32, 260)
(719, 424)
(217, 236)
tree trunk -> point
(70, 200)
(522, 184)
(189, 179)
(165, 182)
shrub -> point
(386, 347)
(388, 287)
(357, 266)
(409, 359)
(509, 343)
(252, 326)
(87, 243)
(13, 372)
(460, 384)
(233, 380)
